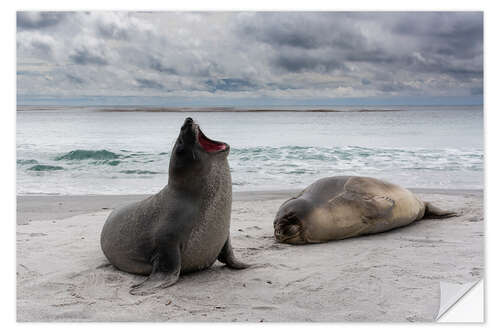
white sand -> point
(62, 274)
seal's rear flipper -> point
(227, 257)
(165, 272)
(433, 212)
(106, 264)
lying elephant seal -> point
(184, 227)
(342, 207)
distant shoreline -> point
(236, 109)
(210, 109)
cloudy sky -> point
(230, 57)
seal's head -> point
(289, 226)
(193, 150)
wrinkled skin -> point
(184, 227)
(335, 208)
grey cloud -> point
(156, 65)
(438, 65)
(382, 76)
(476, 91)
(38, 20)
(248, 54)
(304, 41)
(149, 84)
(306, 62)
(210, 68)
(230, 84)
(44, 49)
(280, 35)
(441, 38)
(289, 38)
(440, 25)
(112, 31)
(395, 87)
(374, 56)
(463, 73)
(29, 73)
(74, 79)
(280, 86)
(85, 57)
(309, 30)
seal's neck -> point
(187, 185)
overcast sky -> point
(234, 56)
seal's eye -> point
(180, 148)
(287, 227)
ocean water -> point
(85, 151)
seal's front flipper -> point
(165, 272)
(154, 283)
(433, 212)
(227, 257)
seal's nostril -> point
(187, 122)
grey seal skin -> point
(184, 227)
(335, 208)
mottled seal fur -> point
(341, 207)
(184, 227)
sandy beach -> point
(62, 274)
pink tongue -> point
(210, 146)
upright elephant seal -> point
(184, 227)
(342, 207)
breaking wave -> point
(81, 154)
(259, 167)
(44, 167)
(139, 172)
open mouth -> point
(210, 146)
